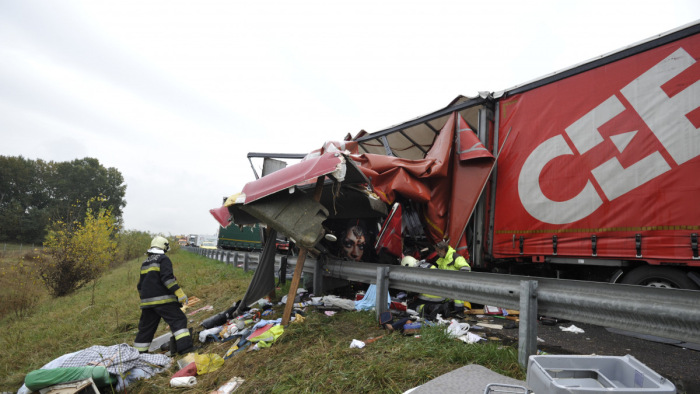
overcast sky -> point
(174, 94)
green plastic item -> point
(40, 378)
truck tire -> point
(659, 277)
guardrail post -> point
(228, 257)
(246, 261)
(382, 290)
(318, 278)
(235, 259)
(283, 270)
(527, 331)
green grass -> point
(313, 356)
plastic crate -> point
(593, 374)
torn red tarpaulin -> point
(329, 163)
(391, 239)
(446, 178)
(308, 170)
(472, 167)
(222, 215)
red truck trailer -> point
(601, 166)
(589, 173)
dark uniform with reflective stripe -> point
(157, 287)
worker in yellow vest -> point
(450, 260)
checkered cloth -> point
(121, 360)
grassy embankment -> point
(313, 356)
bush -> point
(77, 253)
(18, 286)
(132, 244)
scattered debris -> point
(232, 385)
(184, 381)
(356, 344)
(204, 308)
(470, 338)
(373, 339)
(572, 328)
(492, 326)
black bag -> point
(385, 318)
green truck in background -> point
(240, 238)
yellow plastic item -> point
(208, 363)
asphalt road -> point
(679, 364)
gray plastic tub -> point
(593, 374)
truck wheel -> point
(659, 277)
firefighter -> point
(450, 260)
(161, 297)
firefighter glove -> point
(181, 297)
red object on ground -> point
(189, 370)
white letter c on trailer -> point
(541, 207)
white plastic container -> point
(593, 374)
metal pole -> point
(381, 302)
(283, 270)
(318, 279)
(246, 261)
(527, 331)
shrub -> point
(77, 253)
(18, 286)
(132, 244)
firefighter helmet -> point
(159, 243)
(409, 261)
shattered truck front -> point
(369, 207)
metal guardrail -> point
(668, 313)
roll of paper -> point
(183, 381)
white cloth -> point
(331, 300)
(572, 328)
(211, 331)
(356, 344)
(457, 329)
(183, 381)
(470, 338)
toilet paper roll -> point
(183, 381)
